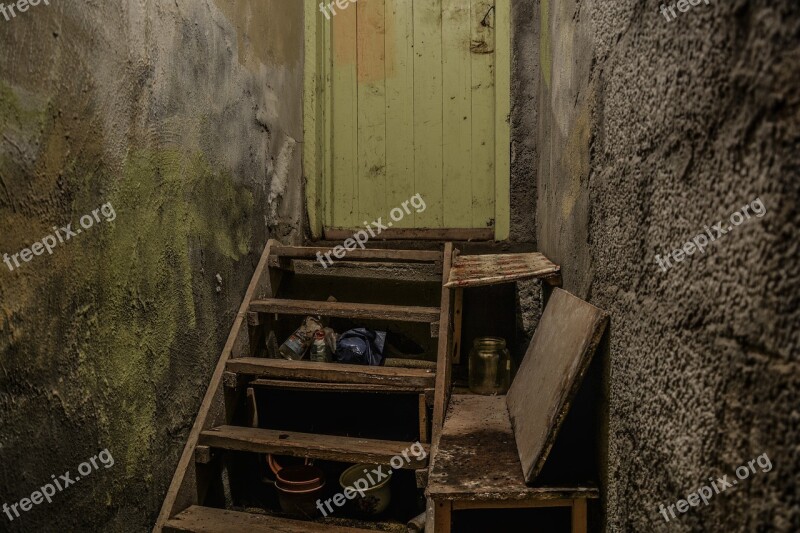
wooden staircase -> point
(227, 422)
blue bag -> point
(361, 346)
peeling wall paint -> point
(178, 113)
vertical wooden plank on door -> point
(326, 131)
(457, 114)
(371, 44)
(344, 118)
(314, 95)
(483, 107)
(428, 134)
(502, 83)
(400, 106)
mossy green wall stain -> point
(23, 118)
(110, 341)
(22, 123)
(42, 149)
(167, 204)
(127, 288)
(13, 112)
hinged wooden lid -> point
(550, 375)
(477, 270)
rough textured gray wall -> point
(524, 118)
(524, 157)
(186, 117)
(650, 130)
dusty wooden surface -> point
(402, 362)
(310, 252)
(382, 270)
(310, 445)
(477, 460)
(424, 432)
(420, 379)
(550, 375)
(208, 520)
(477, 270)
(444, 368)
(443, 356)
(317, 386)
(458, 320)
(202, 455)
(401, 313)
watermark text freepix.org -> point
(331, 6)
(683, 7)
(61, 236)
(360, 238)
(705, 493)
(372, 478)
(700, 241)
(20, 6)
(47, 491)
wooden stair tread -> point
(318, 386)
(420, 379)
(314, 446)
(310, 252)
(197, 519)
(385, 271)
(403, 313)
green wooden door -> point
(408, 97)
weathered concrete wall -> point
(649, 131)
(186, 117)
(524, 119)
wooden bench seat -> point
(491, 449)
(477, 466)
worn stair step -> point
(317, 386)
(419, 379)
(375, 270)
(198, 519)
(309, 445)
(373, 254)
(401, 313)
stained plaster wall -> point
(186, 117)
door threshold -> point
(416, 234)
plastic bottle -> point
(295, 347)
(319, 349)
(330, 340)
